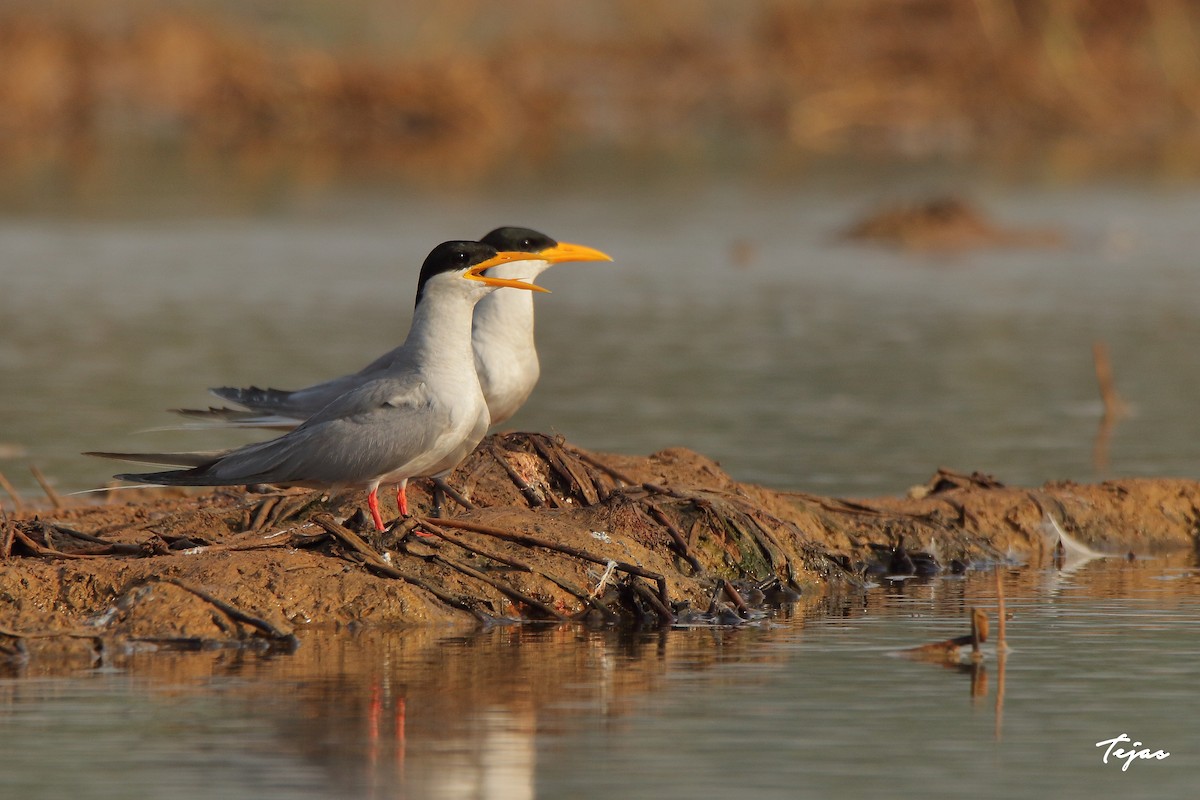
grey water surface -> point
(815, 702)
(733, 321)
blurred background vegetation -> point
(456, 90)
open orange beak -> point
(508, 256)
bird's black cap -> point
(455, 256)
(521, 240)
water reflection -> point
(812, 703)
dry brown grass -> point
(1089, 83)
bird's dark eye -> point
(527, 243)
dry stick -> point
(46, 487)
(109, 548)
(453, 493)
(374, 562)
(677, 536)
(657, 604)
(229, 610)
(48, 552)
(533, 541)
(261, 511)
(288, 509)
(612, 472)
(504, 589)
(555, 465)
(588, 599)
(588, 490)
(18, 503)
(6, 542)
(1001, 655)
(1114, 406)
(517, 480)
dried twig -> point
(676, 536)
(1114, 406)
(18, 502)
(641, 590)
(452, 493)
(1001, 645)
(586, 597)
(6, 539)
(261, 511)
(107, 547)
(612, 472)
(733, 595)
(55, 500)
(527, 491)
(533, 541)
(373, 561)
(231, 611)
(512, 594)
(47, 552)
(575, 482)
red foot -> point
(373, 504)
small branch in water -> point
(656, 602)
(1001, 645)
(732, 594)
(1114, 407)
(46, 487)
(949, 650)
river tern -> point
(418, 417)
(502, 336)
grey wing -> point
(378, 428)
(303, 403)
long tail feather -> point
(197, 459)
(230, 418)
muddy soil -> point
(555, 533)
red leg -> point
(373, 504)
(402, 499)
(402, 502)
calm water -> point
(815, 703)
(818, 364)
(814, 364)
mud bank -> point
(555, 533)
